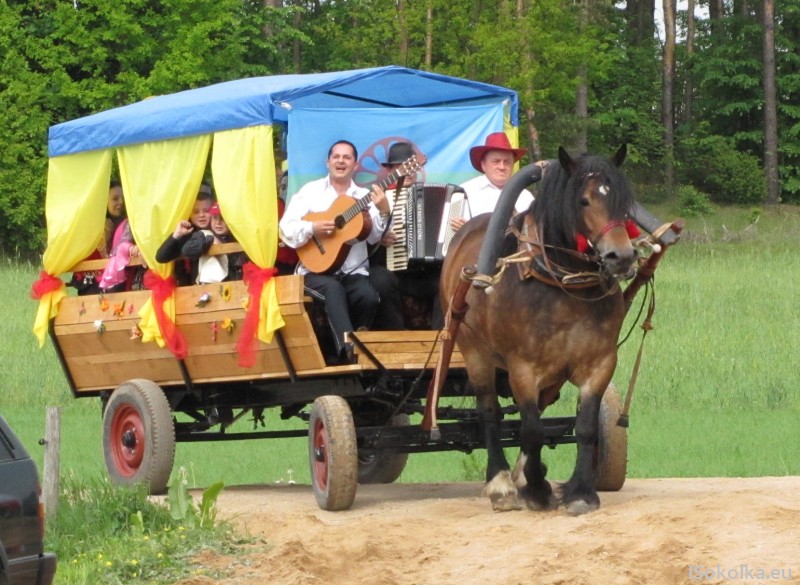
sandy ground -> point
(651, 532)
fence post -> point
(52, 460)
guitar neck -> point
(362, 203)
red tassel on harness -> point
(581, 243)
(632, 229)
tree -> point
(667, 118)
(770, 107)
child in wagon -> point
(217, 268)
(186, 230)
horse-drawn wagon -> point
(183, 364)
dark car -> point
(22, 557)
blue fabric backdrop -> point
(444, 134)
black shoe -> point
(346, 355)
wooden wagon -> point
(359, 415)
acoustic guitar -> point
(325, 254)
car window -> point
(6, 448)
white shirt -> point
(482, 197)
(318, 196)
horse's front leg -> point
(580, 495)
(537, 492)
(499, 488)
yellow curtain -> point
(77, 198)
(243, 167)
(160, 181)
(513, 136)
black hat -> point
(399, 152)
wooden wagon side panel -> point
(98, 338)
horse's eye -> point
(584, 202)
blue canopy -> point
(265, 100)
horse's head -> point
(590, 209)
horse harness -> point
(533, 261)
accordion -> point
(421, 222)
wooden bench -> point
(402, 350)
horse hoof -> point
(579, 507)
(547, 505)
(507, 503)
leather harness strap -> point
(542, 268)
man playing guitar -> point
(349, 298)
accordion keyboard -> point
(397, 253)
(448, 231)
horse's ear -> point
(566, 160)
(620, 155)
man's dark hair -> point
(350, 144)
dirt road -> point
(663, 531)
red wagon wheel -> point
(384, 466)
(611, 451)
(332, 453)
(139, 436)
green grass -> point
(716, 394)
(113, 535)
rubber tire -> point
(385, 466)
(611, 453)
(332, 453)
(139, 406)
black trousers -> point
(420, 283)
(350, 301)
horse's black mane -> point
(557, 207)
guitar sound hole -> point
(339, 222)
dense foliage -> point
(61, 60)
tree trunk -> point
(296, 44)
(641, 18)
(688, 94)
(668, 82)
(582, 91)
(268, 32)
(402, 32)
(429, 36)
(770, 107)
(535, 149)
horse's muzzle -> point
(621, 264)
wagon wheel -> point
(139, 436)
(383, 466)
(611, 451)
(332, 453)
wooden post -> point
(52, 461)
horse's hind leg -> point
(499, 487)
(580, 495)
(537, 493)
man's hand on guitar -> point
(324, 227)
(378, 197)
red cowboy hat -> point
(495, 141)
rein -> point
(533, 251)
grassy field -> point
(716, 395)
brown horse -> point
(559, 323)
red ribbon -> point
(47, 283)
(581, 243)
(632, 229)
(255, 278)
(162, 289)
